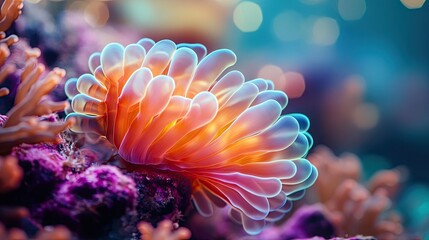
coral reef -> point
(42, 168)
(161, 195)
(91, 202)
(156, 126)
(161, 104)
(23, 125)
(351, 206)
(56, 172)
(30, 173)
(306, 222)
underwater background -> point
(357, 69)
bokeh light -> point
(181, 21)
(413, 4)
(138, 12)
(366, 116)
(325, 31)
(248, 16)
(292, 83)
(96, 13)
(272, 72)
(77, 6)
(288, 26)
(351, 9)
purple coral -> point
(90, 202)
(162, 195)
(308, 221)
(42, 167)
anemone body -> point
(173, 107)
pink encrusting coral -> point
(170, 106)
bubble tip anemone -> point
(172, 107)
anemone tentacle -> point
(174, 107)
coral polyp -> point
(173, 108)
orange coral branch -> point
(4, 54)
(32, 103)
(31, 130)
(22, 125)
(29, 96)
(353, 207)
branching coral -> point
(164, 231)
(165, 105)
(23, 125)
(354, 210)
(352, 207)
(7, 69)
